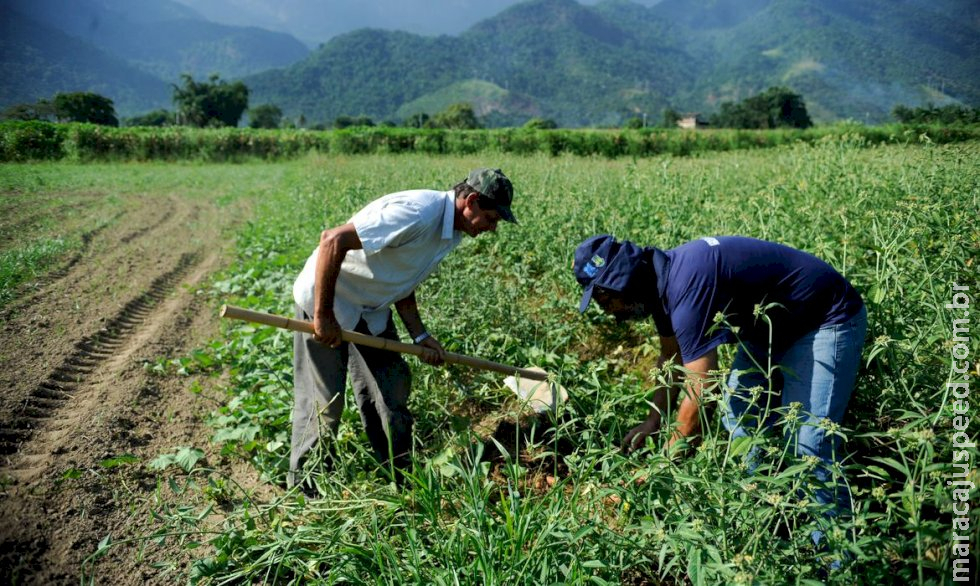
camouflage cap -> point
(494, 185)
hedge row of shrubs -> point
(26, 141)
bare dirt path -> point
(75, 394)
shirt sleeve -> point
(694, 333)
(388, 223)
(692, 316)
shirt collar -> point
(448, 216)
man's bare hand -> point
(432, 352)
(637, 436)
(683, 442)
(327, 331)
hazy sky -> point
(315, 21)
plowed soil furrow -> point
(75, 393)
(105, 269)
(38, 288)
(14, 222)
(78, 366)
(166, 215)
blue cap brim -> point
(586, 297)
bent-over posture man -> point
(359, 269)
(784, 308)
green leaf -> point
(241, 433)
(877, 294)
(119, 461)
(187, 457)
(103, 546)
(741, 445)
(162, 462)
(892, 462)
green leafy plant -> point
(185, 458)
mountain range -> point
(577, 64)
(128, 51)
(317, 21)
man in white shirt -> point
(357, 272)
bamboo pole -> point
(278, 321)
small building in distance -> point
(693, 121)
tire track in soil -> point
(168, 213)
(89, 395)
(77, 393)
(102, 244)
(13, 224)
(90, 352)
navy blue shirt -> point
(734, 274)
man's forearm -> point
(408, 311)
(663, 396)
(334, 245)
(688, 419)
(327, 270)
(688, 414)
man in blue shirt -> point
(798, 323)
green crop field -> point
(493, 499)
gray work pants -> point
(381, 381)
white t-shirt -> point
(404, 235)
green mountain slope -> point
(584, 67)
(710, 14)
(165, 38)
(562, 60)
(367, 72)
(597, 65)
(170, 48)
(38, 61)
(848, 59)
(488, 100)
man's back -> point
(733, 275)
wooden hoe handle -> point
(278, 321)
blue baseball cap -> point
(601, 261)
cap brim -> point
(506, 214)
(586, 297)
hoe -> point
(530, 384)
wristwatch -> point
(421, 337)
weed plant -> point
(492, 499)
(24, 263)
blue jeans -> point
(818, 372)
